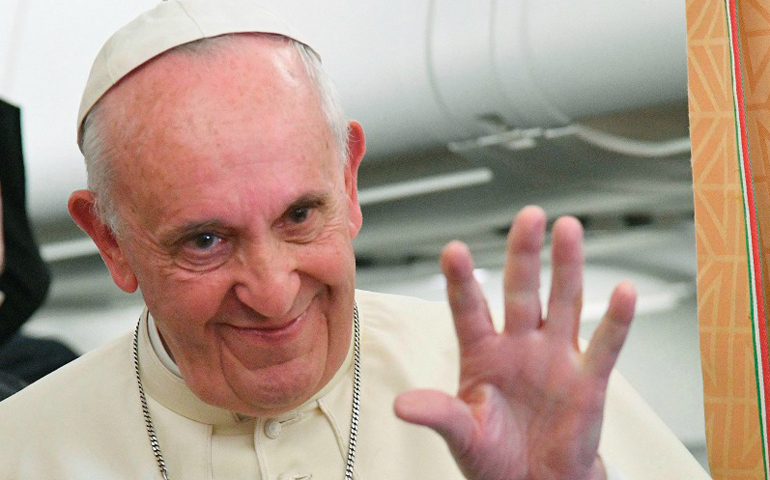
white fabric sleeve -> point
(613, 473)
(636, 442)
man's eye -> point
(203, 251)
(205, 241)
(299, 215)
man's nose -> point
(269, 281)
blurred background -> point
(472, 110)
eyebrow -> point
(309, 200)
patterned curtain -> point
(729, 100)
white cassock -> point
(85, 420)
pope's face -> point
(239, 218)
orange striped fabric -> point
(729, 97)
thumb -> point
(449, 416)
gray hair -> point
(96, 146)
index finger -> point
(469, 306)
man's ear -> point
(356, 149)
(81, 207)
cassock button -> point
(273, 430)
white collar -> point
(160, 349)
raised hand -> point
(530, 404)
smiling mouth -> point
(268, 329)
(266, 334)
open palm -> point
(530, 403)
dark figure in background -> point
(25, 277)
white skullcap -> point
(168, 25)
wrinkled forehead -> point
(245, 91)
(247, 100)
(190, 134)
(171, 24)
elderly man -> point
(222, 184)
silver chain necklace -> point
(155, 445)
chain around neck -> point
(155, 444)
